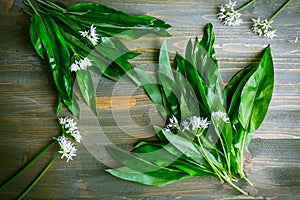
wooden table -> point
(28, 101)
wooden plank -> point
(28, 104)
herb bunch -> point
(208, 126)
(262, 27)
(76, 40)
(67, 149)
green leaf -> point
(208, 40)
(155, 178)
(199, 88)
(234, 83)
(53, 47)
(131, 160)
(149, 83)
(86, 86)
(35, 32)
(117, 23)
(73, 106)
(164, 66)
(85, 7)
(160, 156)
(185, 146)
(257, 93)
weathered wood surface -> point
(28, 103)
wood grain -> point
(28, 104)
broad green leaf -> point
(131, 160)
(167, 81)
(189, 52)
(161, 157)
(235, 93)
(137, 163)
(73, 106)
(156, 178)
(197, 84)
(122, 25)
(164, 66)
(234, 83)
(185, 146)
(51, 54)
(86, 86)
(35, 32)
(159, 134)
(171, 93)
(154, 154)
(257, 93)
(208, 40)
(85, 7)
(149, 83)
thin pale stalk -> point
(38, 178)
(246, 5)
(241, 167)
(280, 9)
(218, 173)
(226, 154)
(28, 165)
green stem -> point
(52, 5)
(280, 9)
(246, 5)
(29, 3)
(218, 173)
(38, 178)
(241, 166)
(27, 12)
(226, 154)
(227, 179)
(28, 165)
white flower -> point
(70, 126)
(270, 34)
(86, 62)
(220, 115)
(198, 122)
(173, 123)
(84, 33)
(195, 122)
(67, 148)
(229, 15)
(186, 125)
(94, 40)
(75, 67)
(76, 135)
(263, 27)
(81, 64)
(93, 32)
(91, 35)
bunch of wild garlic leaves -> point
(75, 40)
(209, 126)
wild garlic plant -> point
(208, 126)
(66, 149)
(230, 16)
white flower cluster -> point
(173, 123)
(220, 115)
(67, 148)
(70, 126)
(192, 123)
(263, 27)
(81, 64)
(91, 35)
(229, 15)
(195, 122)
